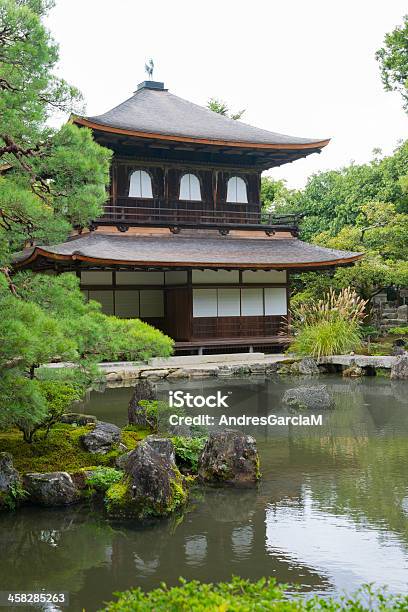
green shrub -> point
(245, 596)
(330, 326)
(369, 331)
(399, 331)
(15, 494)
(327, 338)
(104, 477)
(188, 451)
(158, 413)
(58, 396)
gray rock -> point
(399, 369)
(153, 485)
(51, 489)
(76, 418)
(121, 461)
(154, 374)
(308, 366)
(144, 390)
(403, 312)
(354, 371)
(229, 457)
(311, 398)
(397, 350)
(163, 446)
(180, 430)
(9, 477)
(102, 438)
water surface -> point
(330, 513)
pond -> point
(331, 511)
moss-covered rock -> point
(229, 457)
(11, 490)
(152, 486)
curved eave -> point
(40, 252)
(224, 143)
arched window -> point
(140, 185)
(190, 188)
(237, 190)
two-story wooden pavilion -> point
(182, 243)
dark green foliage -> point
(393, 59)
(362, 208)
(14, 496)
(241, 595)
(188, 451)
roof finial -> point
(149, 67)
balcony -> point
(178, 214)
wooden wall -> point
(166, 181)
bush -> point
(245, 596)
(399, 331)
(58, 397)
(329, 326)
(188, 451)
(327, 338)
(104, 477)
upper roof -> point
(153, 111)
(209, 250)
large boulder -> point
(308, 398)
(399, 369)
(229, 457)
(308, 366)
(10, 481)
(152, 486)
(144, 390)
(51, 489)
(102, 439)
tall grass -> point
(329, 326)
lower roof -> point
(191, 251)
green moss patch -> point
(60, 451)
(132, 435)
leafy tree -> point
(275, 196)
(393, 59)
(220, 107)
(50, 182)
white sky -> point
(300, 67)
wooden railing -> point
(136, 212)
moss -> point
(179, 494)
(120, 503)
(131, 435)
(60, 451)
(383, 372)
(258, 473)
(117, 499)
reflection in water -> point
(345, 552)
(331, 511)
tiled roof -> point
(187, 251)
(157, 111)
